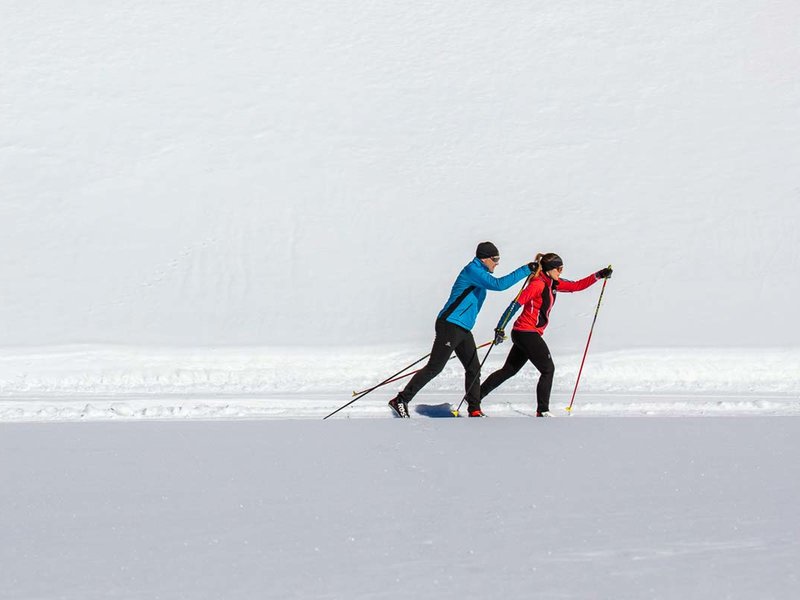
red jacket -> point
(538, 297)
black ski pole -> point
(384, 382)
(405, 375)
(474, 379)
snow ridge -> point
(92, 371)
(110, 383)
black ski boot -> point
(399, 408)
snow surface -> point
(430, 508)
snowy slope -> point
(273, 173)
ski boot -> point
(399, 408)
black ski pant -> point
(528, 346)
(449, 338)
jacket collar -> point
(480, 264)
(548, 281)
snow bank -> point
(126, 383)
(93, 371)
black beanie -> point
(487, 250)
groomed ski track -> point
(374, 407)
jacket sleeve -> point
(533, 289)
(505, 318)
(565, 285)
(486, 280)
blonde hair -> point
(538, 261)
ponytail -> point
(538, 261)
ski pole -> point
(503, 326)
(474, 379)
(586, 350)
(384, 382)
(398, 378)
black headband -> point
(549, 265)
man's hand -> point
(499, 336)
(604, 273)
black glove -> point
(533, 266)
(604, 273)
(499, 336)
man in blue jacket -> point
(454, 325)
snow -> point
(200, 173)
(219, 219)
(118, 383)
(429, 508)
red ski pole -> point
(569, 408)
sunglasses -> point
(495, 259)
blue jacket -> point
(469, 292)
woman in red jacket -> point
(537, 299)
